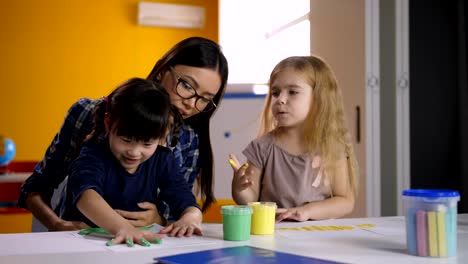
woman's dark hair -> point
(138, 109)
(201, 53)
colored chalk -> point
(421, 233)
(451, 231)
(232, 163)
(411, 231)
(435, 221)
(441, 234)
(432, 233)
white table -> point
(384, 242)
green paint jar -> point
(236, 222)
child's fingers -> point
(110, 243)
(247, 183)
(167, 229)
(116, 240)
(189, 231)
(156, 240)
(282, 213)
(149, 238)
(175, 232)
(130, 242)
(171, 230)
(281, 210)
(241, 171)
(144, 242)
(198, 231)
(283, 216)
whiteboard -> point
(232, 127)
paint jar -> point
(236, 222)
(263, 218)
(431, 222)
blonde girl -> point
(303, 158)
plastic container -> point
(236, 222)
(431, 222)
(263, 218)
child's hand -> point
(294, 213)
(241, 179)
(131, 235)
(188, 224)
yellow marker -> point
(232, 163)
(432, 234)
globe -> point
(7, 150)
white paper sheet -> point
(43, 243)
(99, 241)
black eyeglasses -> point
(186, 91)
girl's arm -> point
(339, 205)
(245, 182)
(96, 209)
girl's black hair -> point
(201, 53)
(138, 109)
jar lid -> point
(262, 204)
(236, 210)
(431, 193)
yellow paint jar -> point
(263, 218)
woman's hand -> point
(63, 225)
(143, 218)
(189, 224)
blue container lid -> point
(431, 193)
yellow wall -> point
(54, 52)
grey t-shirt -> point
(287, 179)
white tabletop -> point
(369, 240)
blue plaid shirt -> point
(65, 147)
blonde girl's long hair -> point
(325, 128)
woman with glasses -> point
(194, 73)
